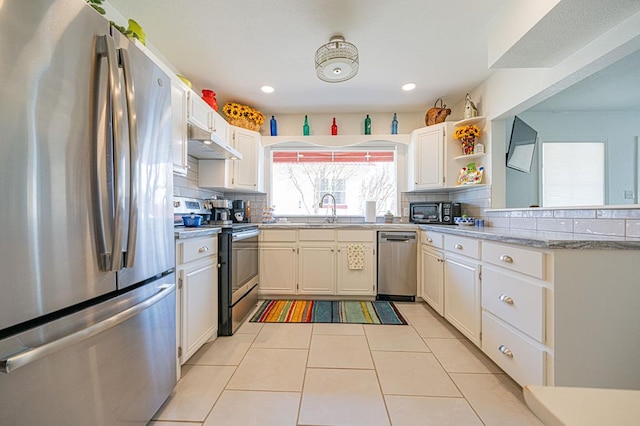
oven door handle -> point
(239, 236)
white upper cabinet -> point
(245, 175)
(179, 95)
(426, 158)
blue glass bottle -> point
(274, 126)
(394, 124)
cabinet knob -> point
(429, 240)
(203, 249)
(293, 249)
(505, 350)
(506, 258)
(506, 299)
(458, 246)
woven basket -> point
(243, 122)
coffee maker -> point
(240, 211)
(221, 212)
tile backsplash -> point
(613, 221)
(188, 186)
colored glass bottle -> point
(274, 126)
(394, 124)
(305, 126)
(367, 125)
(334, 127)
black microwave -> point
(438, 212)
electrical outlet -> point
(405, 211)
(628, 194)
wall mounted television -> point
(522, 146)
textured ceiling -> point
(235, 47)
(615, 88)
(569, 26)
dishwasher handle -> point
(397, 237)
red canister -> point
(209, 96)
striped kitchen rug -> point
(329, 311)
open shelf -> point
(337, 140)
(470, 156)
(469, 121)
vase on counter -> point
(209, 96)
(467, 145)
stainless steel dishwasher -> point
(397, 261)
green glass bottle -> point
(305, 127)
(367, 125)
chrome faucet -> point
(333, 217)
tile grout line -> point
(304, 378)
(384, 400)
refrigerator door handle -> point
(29, 355)
(132, 238)
(110, 258)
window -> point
(299, 178)
(573, 174)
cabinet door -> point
(432, 278)
(317, 268)
(219, 126)
(246, 172)
(278, 269)
(199, 111)
(357, 282)
(462, 295)
(179, 128)
(200, 305)
(429, 158)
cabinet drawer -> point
(317, 235)
(198, 248)
(528, 262)
(287, 235)
(461, 245)
(515, 300)
(351, 235)
(520, 358)
(432, 239)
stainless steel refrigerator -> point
(87, 293)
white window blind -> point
(573, 174)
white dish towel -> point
(355, 256)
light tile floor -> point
(426, 373)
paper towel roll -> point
(370, 212)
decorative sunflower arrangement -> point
(243, 116)
(467, 136)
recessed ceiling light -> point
(267, 89)
(408, 86)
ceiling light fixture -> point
(409, 86)
(337, 60)
(267, 89)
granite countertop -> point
(339, 225)
(181, 232)
(540, 239)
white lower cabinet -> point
(432, 278)
(317, 268)
(357, 282)
(462, 295)
(278, 268)
(315, 262)
(197, 272)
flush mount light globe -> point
(337, 60)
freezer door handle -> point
(132, 238)
(29, 355)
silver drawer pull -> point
(505, 350)
(429, 240)
(506, 258)
(506, 299)
(203, 249)
(458, 246)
